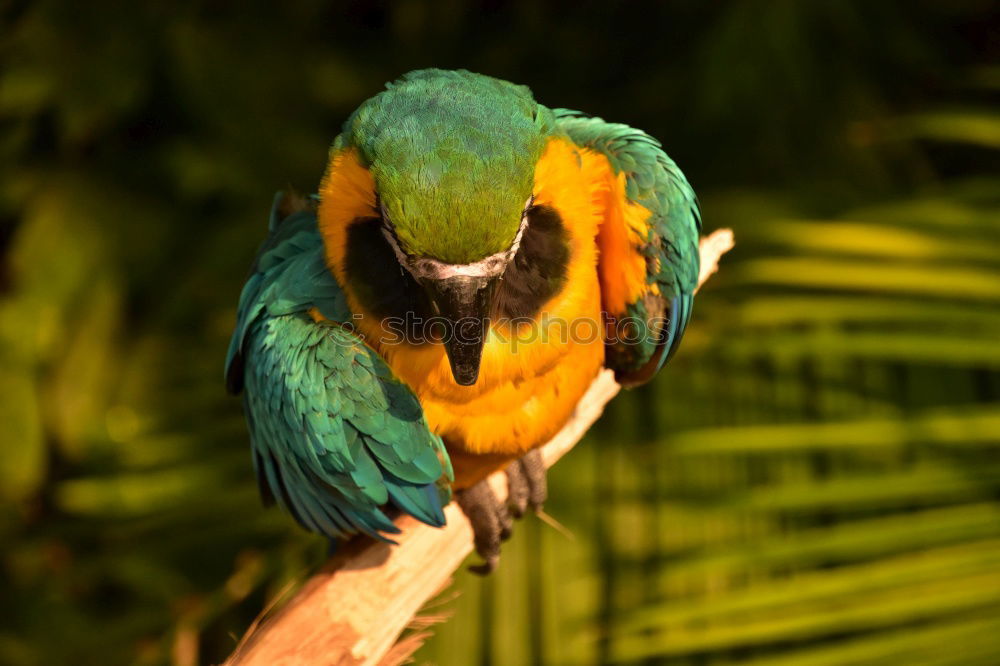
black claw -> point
(486, 568)
(505, 521)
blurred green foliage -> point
(814, 479)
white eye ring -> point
(527, 206)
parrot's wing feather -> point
(335, 435)
(649, 263)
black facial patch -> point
(384, 288)
(538, 271)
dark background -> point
(813, 480)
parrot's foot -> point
(526, 484)
(491, 523)
(491, 520)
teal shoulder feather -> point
(335, 436)
(671, 249)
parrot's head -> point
(452, 155)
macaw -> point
(470, 263)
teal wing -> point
(670, 248)
(335, 436)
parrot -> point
(469, 264)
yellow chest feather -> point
(533, 374)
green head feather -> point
(453, 157)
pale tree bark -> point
(354, 609)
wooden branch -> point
(711, 248)
(353, 610)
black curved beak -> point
(464, 303)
